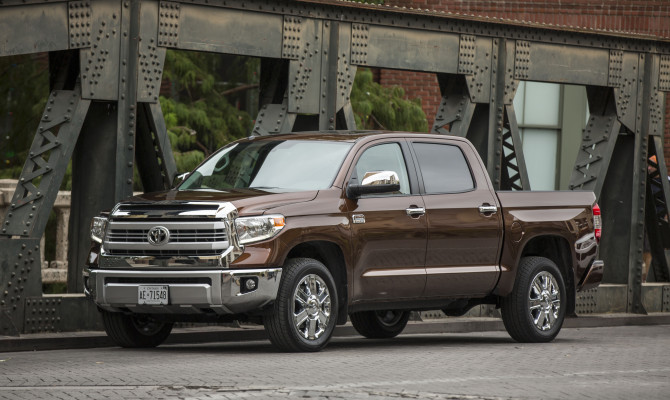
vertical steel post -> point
(656, 211)
(494, 154)
(93, 189)
(109, 128)
(329, 56)
(127, 100)
(155, 160)
(657, 214)
(614, 200)
(639, 188)
(345, 75)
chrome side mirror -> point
(375, 182)
(381, 178)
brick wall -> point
(634, 17)
(422, 85)
(639, 16)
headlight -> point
(254, 229)
(98, 227)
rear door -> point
(389, 229)
(464, 222)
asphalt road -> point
(621, 362)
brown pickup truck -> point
(300, 231)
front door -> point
(389, 229)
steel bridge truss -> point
(106, 65)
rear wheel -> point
(535, 310)
(135, 331)
(305, 311)
(379, 324)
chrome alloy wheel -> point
(544, 300)
(311, 307)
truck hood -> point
(247, 201)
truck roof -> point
(344, 136)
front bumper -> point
(189, 291)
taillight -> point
(597, 222)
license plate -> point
(152, 294)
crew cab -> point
(300, 231)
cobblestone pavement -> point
(600, 363)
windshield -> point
(282, 165)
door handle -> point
(487, 209)
(415, 211)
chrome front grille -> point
(192, 238)
(177, 236)
(162, 253)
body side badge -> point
(358, 218)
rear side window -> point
(444, 168)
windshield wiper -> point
(205, 190)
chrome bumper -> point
(593, 276)
(190, 291)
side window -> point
(444, 168)
(384, 157)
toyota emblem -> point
(158, 235)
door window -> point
(383, 157)
(444, 168)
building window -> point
(550, 119)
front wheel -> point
(305, 310)
(534, 311)
(135, 331)
(379, 324)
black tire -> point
(384, 324)
(135, 331)
(300, 277)
(539, 281)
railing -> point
(53, 271)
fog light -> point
(250, 284)
(89, 285)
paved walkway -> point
(620, 362)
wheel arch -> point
(556, 249)
(332, 256)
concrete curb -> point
(91, 339)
